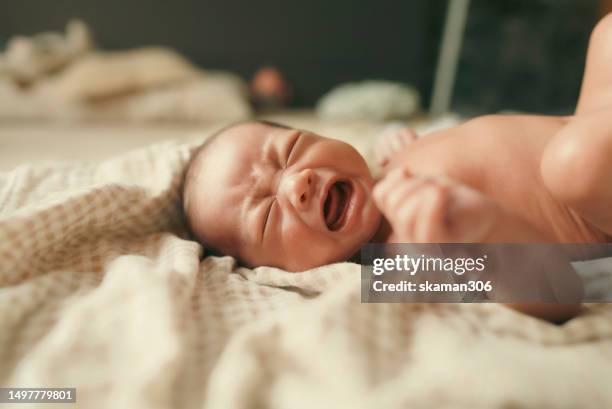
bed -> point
(101, 290)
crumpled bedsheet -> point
(100, 290)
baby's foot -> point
(434, 209)
(392, 141)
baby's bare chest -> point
(500, 157)
(485, 152)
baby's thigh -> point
(577, 169)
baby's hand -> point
(433, 209)
(391, 142)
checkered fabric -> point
(100, 290)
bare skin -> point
(509, 178)
(512, 191)
(493, 179)
(548, 177)
(450, 199)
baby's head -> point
(271, 195)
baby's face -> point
(283, 197)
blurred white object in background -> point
(211, 96)
(52, 76)
(369, 100)
(99, 76)
(27, 59)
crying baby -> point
(271, 195)
(289, 198)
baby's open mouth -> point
(335, 208)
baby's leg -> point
(596, 91)
(577, 167)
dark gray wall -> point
(318, 43)
(525, 55)
(519, 54)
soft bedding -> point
(147, 85)
(101, 290)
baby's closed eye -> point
(266, 215)
(289, 150)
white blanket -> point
(150, 84)
(100, 291)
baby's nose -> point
(299, 188)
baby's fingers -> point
(392, 141)
(432, 223)
(385, 191)
(402, 138)
(382, 153)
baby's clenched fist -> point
(433, 209)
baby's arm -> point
(439, 210)
(391, 142)
(436, 209)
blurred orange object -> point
(270, 89)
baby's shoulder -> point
(501, 124)
(492, 134)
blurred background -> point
(317, 44)
(516, 55)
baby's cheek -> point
(371, 214)
(297, 235)
(293, 232)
